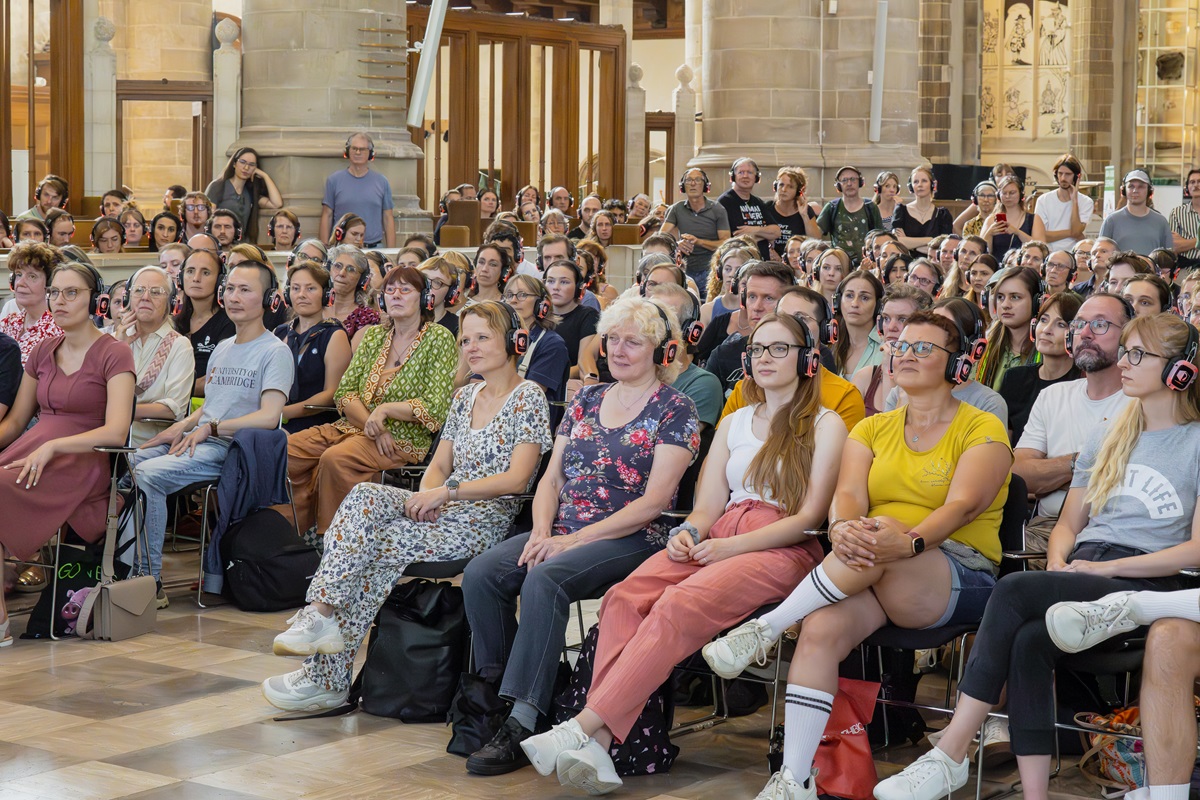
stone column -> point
(693, 42)
(309, 80)
(227, 87)
(933, 84)
(635, 133)
(818, 118)
(99, 110)
(685, 127)
(1092, 84)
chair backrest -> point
(1014, 515)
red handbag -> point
(845, 767)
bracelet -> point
(832, 525)
(692, 531)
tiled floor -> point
(178, 714)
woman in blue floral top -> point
(619, 455)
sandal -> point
(31, 580)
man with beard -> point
(1066, 414)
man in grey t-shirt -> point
(249, 377)
(1137, 226)
(357, 189)
(698, 223)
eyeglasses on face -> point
(776, 349)
(1135, 354)
(69, 294)
(517, 297)
(141, 291)
(195, 206)
(1099, 326)
(241, 162)
(399, 288)
(919, 349)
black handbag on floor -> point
(416, 653)
(477, 712)
(267, 565)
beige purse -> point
(115, 609)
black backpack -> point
(267, 565)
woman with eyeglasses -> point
(31, 264)
(926, 276)
(767, 482)
(1022, 385)
(1119, 531)
(1009, 226)
(284, 227)
(319, 346)
(493, 269)
(201, 318)
(243, 188)
(392, 399)
(80, 383)
(350, 271)
(546, 360)
(915, 536)
(970, 221)
(442, 275)
(1018, 293)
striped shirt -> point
(1185, 221)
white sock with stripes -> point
(1177, 792)
(1150, 606)
(805, 714)
(815, 591)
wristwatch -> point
(452, 484)
(212, 427)
(918, 543)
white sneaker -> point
(588, 768)
(930, 777)
(997, 745)
(784, 786)
(295, 691)
(311, 632)
(732, 653)
(1077, 626)
(544, 749)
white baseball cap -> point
(1137, 175)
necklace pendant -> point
(915, 438)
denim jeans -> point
(529, 653)
(159, 475)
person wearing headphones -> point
(1022, 385)
(164, 230)
(1120, 532)
(699, 224)
(576, 322)
(1018, 295)
(1009, 225)
(243, 188)
(51, 193)
(701, 386)
(887, 190)
(360, 190)
(113, 202)
(900, 301)
(444, 273)
(320, 347)
(30, 230)
(546, 361)
(856, 305)
(108, 236)
(197, 209)
(392, 399)
(350, 272)
(246, 382)
(917, 222)
(31, 265)
(80, 384)
(560, 199)
(983, 202)
(1064, 415)
(284, 229)
(762, 284)
(1184, 220)
(495, 432)
(61, 226)
(747, 214)
(1137, 227)
(239, 254)
(1058, 270)
(769, 477)
(225, 228)
(1099, 258)
(1061, 216)
(135, 227)
(915, 540)
(847, 219)
(1148, 294)
(201, 317)
(587, 209)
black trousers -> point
(1013, 646)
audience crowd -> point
(862, 382)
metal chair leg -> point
(203, 541)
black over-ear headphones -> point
(808, 360)
(516, 340)
(1180, 371)
(828, 329)
(571, 253)
(743, 160)
(270, 298)
(170, 216)
(326, 292)
(707, 182)
(271, 229)
(837, 175)
(62, 201)
(576, 272)
(932, 185)
(237, 226)
(346, 150)
(174, 303)
(570, 197)
(664, 352)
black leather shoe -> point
(503, 754)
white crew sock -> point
(1177, 792)
(804, 716)
(1150, 606)
(815, 591)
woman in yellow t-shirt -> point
(915, 535)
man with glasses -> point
(1060, 216)
(1185, 223)
(358, 189)
(1099, 259)
(1066, 414)
(847, 219)
(1058, 271)
(970, 221)
(196, 210)
(698, 223)
(1137, 226)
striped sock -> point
(1176, 792)
(1150, 606)
(815, 591)
(805, 714)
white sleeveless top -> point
(743, 446)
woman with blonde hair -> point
(887, 189)
(831, 268)
(722, 281)
(789, 209)
(915, 223)
(1118, 531)
(768, 479)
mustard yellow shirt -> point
(909, 485)
(837, 394)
